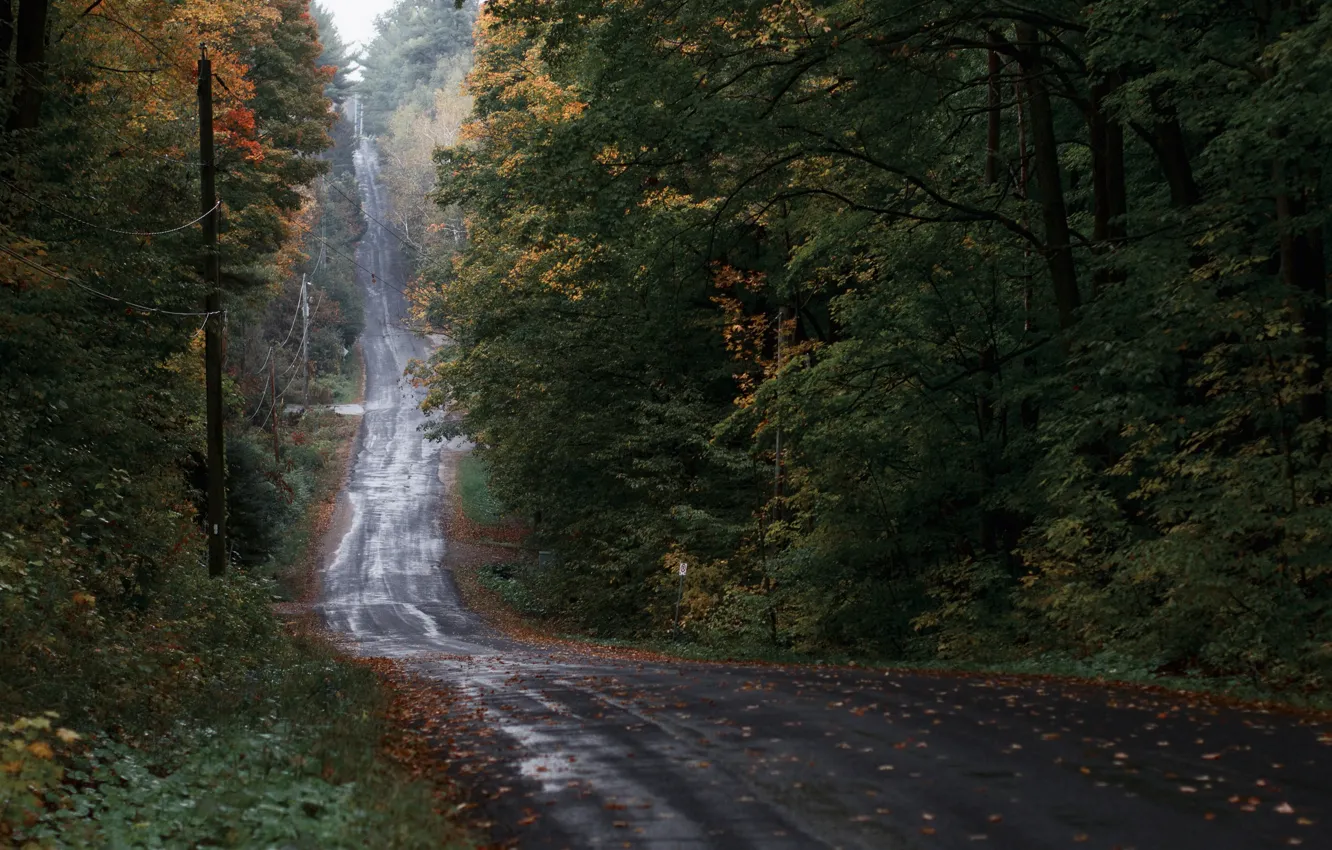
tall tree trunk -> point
(6, 40)
(1045, 149)
(993, 137)
(985, 406)
(1028, 415)
(1173, 155)
(1304, 271)
(26, 111)
(1110, 189)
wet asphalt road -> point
(583, 751)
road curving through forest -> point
(585, 751)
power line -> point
(403, 239)
(263, 397)
(294, 317)
(86, 223)
(267, 357)
(375, 277)
(302, 306)
(100, 294)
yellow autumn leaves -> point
(28, 768)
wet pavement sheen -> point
(594, 752)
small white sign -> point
(684, 568)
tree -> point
(100, 302)
(923, 329)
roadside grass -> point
(506, 580)
(322, 456)
(346, 387)
(478, 504)
(229, 725)
(511, 584)
(290, 756)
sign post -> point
(684, 568)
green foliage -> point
(418, 48)
(201, 721)
(103, 422)
(518, 584)
(920, 331)
(286, 757)
(260, 499)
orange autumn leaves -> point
(29, 768)
(145, 55)
(235, 128)
(533, 99)
(752, 338)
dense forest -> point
(143, 702)
(919, 330)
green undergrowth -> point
(345, 387)
(204, 719)
(474, 489)
(270, 499)
(324, 434)
(285, 755)
(509, 579)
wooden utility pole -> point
(217, 492)
(305, 341)
(277, 414)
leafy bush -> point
(288, 758)
(518, 584)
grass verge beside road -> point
(241, 725)
(474, 490)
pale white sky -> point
(356, 18)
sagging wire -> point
(143, 307)
(217, 206)
(403, 239)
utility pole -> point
(305, 340)
(217, 492)
(277, 414)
